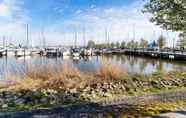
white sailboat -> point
(75, 51)
(87, 52)
(66, 52)
(10, 52)
(2, 52)
(24, 51)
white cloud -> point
(120, 22)
(12, 21)
(4, 10)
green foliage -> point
(123, 44)
(169, 14)
(132, 44)
(91, 44)
(161, 41)
(117, 45)
(143, 43)
(112, 45)
(182, 41)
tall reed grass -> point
(65, 75)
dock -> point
(153, 53)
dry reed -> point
(108, 70)
(66, 76)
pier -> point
(153, 53)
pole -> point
(27, 37)
(84, 38)
(76, 39)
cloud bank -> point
(123, 23)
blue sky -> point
(61, 18)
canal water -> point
(130, 64)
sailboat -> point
(2, 52)
(75, 51)
(65, 52)
(87, 51)
(24, 51)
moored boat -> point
(75, 52)
(87, 52)
(2, 52)
(22, 52)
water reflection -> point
(130, 64)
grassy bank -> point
(47, 86)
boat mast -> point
(107, 36)
(134, 35)
(134, 32)
(4, 42)
(43, 38)
(27, 37)
(84, 38)
(76, 39)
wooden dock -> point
(161, 54)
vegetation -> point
(143, 43)
(182, 41)
(49, 86)
(161, 41)
(91, 44)
(123, 44)
(169, 14)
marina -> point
(128, 63)
(92, 58)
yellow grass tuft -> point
(108, 70)
(66, 76)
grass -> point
(68, 78)
(66, 75)
(152, 109)
(109, 71)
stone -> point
(44, 100)
(5, 106)
(20, 101)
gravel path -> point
(101, 109)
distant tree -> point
(117, 44)
(136, 44)
(123, 44)
(112, 45)
(129, 45)
(182, 41)
(91, 44)
(143, 43)
(132, 44)
(161, 41)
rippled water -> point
(130, 64)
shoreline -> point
(44, 88)
(100, 108)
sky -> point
(58, 20)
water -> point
(130, 64)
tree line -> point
(169, 15)
(142, 43)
